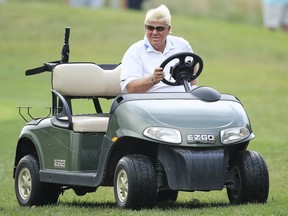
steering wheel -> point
(183, 71)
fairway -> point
(240, 57)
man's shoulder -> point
(137, 45)
(175, 39)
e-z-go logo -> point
(200, 138)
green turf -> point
(240, 58)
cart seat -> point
(84, 80)
(90, 123)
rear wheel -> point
(250, 179)
(28, 188)
(135, 182)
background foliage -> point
(240, 57)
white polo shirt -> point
(141, 59)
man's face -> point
(156, 32)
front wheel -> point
(250, 179)
(135, 182)
(28, 188)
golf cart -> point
(148, 146)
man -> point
(140, 64)
(275, 14)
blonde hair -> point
(159, 14)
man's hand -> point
(158, 75)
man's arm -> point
(194, 82)
(143, 85)
(140, 85)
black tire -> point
(167, 196)
(28, 188)
(135, 182)
(251, 179)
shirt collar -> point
(169, 45)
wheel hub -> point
(122, 186)
(24, 183)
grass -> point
(240, 58)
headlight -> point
(232, 135)
(169, 135)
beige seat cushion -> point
(90, 123)
(86, 79)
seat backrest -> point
(86, 80)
